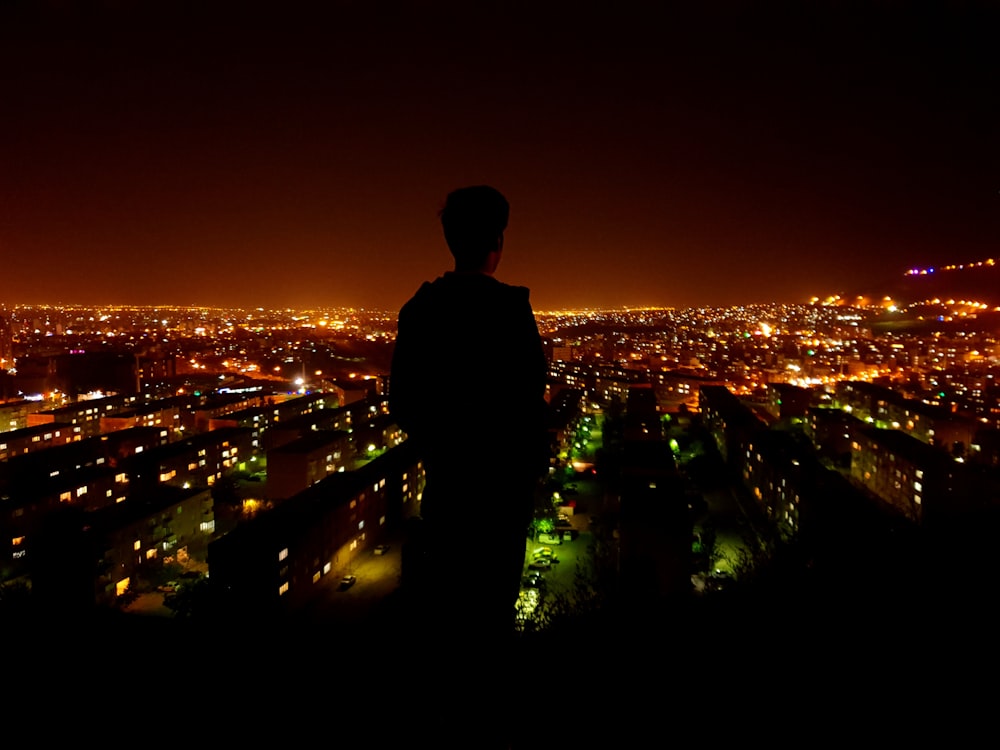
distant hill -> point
(963, 298)
(980, 283)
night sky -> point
(296, 156)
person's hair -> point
(474, 219)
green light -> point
(544, 525)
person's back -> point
(476, 401)
(468, 386)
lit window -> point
(283, 555)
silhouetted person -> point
(468, 386)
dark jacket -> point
(468, 381)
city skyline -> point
(749, 153)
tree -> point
(578, 612)
(225, 492)
(191, 599)
(705, 548)
(15, 600)
(542, 525)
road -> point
(378, 578)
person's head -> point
(474, 219)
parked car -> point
(540, 563)
(346, 582)
(381, 549)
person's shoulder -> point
(521, 292)
(511, 291)
(463, 284)
(519, 295)
(461, 289)
(423, 293)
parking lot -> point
(555, 576)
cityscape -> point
(181, 470)
(142, 416)
(760, 243)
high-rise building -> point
(6, 345)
